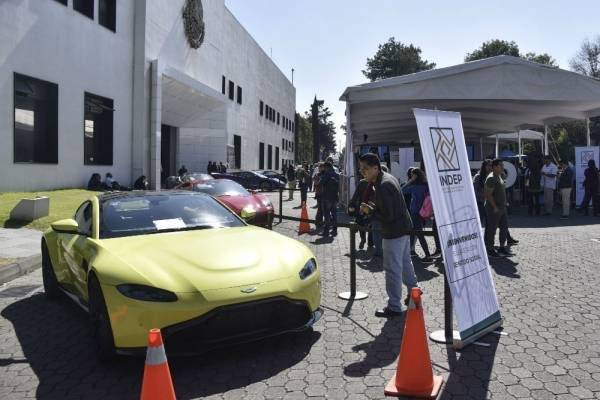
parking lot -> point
(547, 291)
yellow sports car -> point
(182, 262)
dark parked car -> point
(251, 180)
(272, 174)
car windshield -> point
(157, 213)
(221, 187)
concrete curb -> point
(23, 266)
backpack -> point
(426, 211)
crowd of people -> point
(213, 167)
(324, 181)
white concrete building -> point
(134, 87)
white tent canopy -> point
(498, 94)
(514, 137)
(494, 95)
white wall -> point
(228, 50)
(46, 40)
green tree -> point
(498, 47)
(543, 58)
(304, 139)
(325, 129)
(494, 47)
(394, 59)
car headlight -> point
(248, 213)
(146, 293)
(309, 268)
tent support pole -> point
(481, 148)
(546, 133)
(497, 146)
(587, 125)
(520, 148)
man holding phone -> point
(390, 209)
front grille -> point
(237, 323)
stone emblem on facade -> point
(193, 22)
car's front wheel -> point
(101, 329)
(51, 287)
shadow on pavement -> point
(470, 370)
(56, 342)
(505, 267)
(379, 352)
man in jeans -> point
(390, 210)
(565, 183)
(549, 172)
(495, 210)
(330, 185)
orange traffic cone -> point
(157, 382)
(304, 225)
(414, 375)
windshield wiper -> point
(187, 228)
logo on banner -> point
(444, 147)
(586, 156)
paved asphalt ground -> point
(548, 294)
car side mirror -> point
(65, 226)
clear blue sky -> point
(327, 42)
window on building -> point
(277, 118)
(270, 157)
(97, 130)
(276, 158)
(291, 146)
(239, 95)
(261, 155)
(273, 115)
(107, 14)
(283, 143)
(86, 7)
(231, 90)
(293, 127)
(237, 151)
(260, 107)
(65, 2)
(223, 83)
(36, 120)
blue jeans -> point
(376, 226)
(398, 267)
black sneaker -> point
(493, 254)
(361, 245)
(387, 313)
(503, 251)
(334, 232)
(512, 242)
(427, 260)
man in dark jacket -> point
(330, 184)
(390, 209)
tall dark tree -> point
(304, 139)
(587, 59)
(323, 129)
(314, 118)
(395, 58)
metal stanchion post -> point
(353, 294)
(280, 204)
(448, 334)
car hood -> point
(192, 261)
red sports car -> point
(254, 208)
